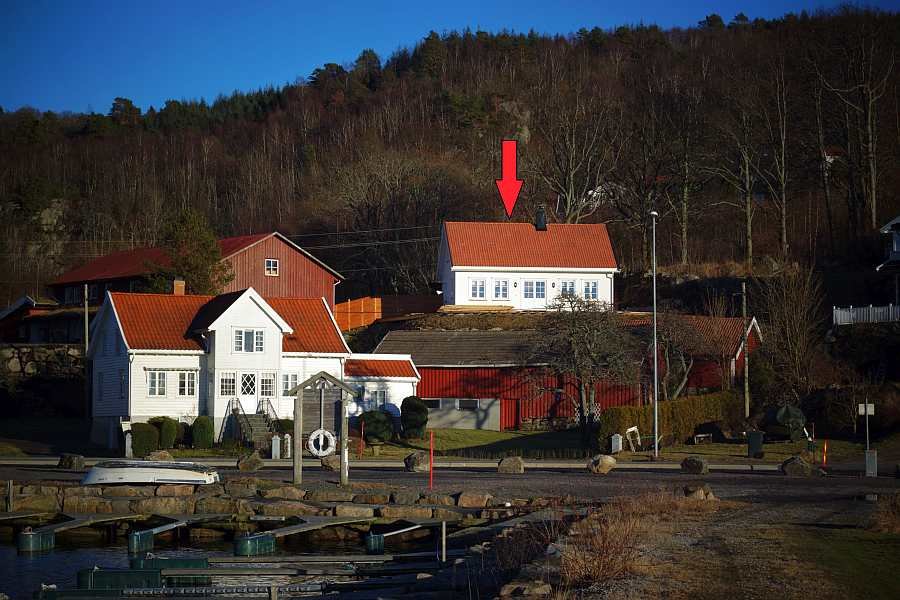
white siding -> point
(461, 282)
(110, 364)
(304, 367)
(445, 272)
(396, 389)
(183, 408)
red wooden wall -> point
(298, 275)
(361, 312)
(706, 372)
(521, 391)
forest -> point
(760, 142)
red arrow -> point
(509, 186)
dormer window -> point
(271, 267)
(249, 340)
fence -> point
(865, 314)
(362, 312)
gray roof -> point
(462, 348)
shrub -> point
(413, 417)
(283, 426)
(202, 432)
(183, 437)
(168, 431)
(144, 439)
(379, 428)
(678, 419)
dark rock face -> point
(694, 465)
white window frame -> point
(501, 289)
(267, 379)
(528, 289)
(591, 289)
(477, 289)
(239, 340)
(223, 379)
(271, 267)
(567, 287)
(248, 377)
(542, 284)
(187, 384)
(379, 398)
(288, 382)
(156, 384)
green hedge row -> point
(678, 419)
(144, 439)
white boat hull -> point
(139, 471)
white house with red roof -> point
(182, 356)
(523, 265)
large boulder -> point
(601, 464)
(372, 498)
(72, 462)
(694, 465)
(287, 492)
(511, 465)
(332, 463)
(473, 500)
(159, 456)
(699, 492)
(438, 499)
(404, 497)
(35, 503)
(223, 506)
(796, 466)
(250, 462)
(241, 488)
(417, 462)
(129, 491)
(354, 510)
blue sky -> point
(79, 55)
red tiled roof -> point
(137, 262)
(712, 336)
(366, 367)
(168, 322)
(580, 246)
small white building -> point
(383, 381)
(523, 265)
(184, 356)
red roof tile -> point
(168, 322)
(139, 261)
(580, 246)
(366, 367)
(712, 336)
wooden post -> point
(297, 440)
(431, 461)
(345, 434)
(746, 351)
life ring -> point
(316, 440)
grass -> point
(7, 449)
(480, 443)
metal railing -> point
(237, 411)
(265, 408)
(853, 315)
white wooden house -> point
(523, 265)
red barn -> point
(482, 379)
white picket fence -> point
(865, 314)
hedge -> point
(678, 419)
(144, 439)
(379, 428)
(413, 417)
(284, 426)
(202, 432)
(168, 431)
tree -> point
(585, 343)
(678, 343)
(194, 255)
(124, 113)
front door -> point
(534, 294)
(248, 390)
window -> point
(432, 403)
(272, 267)
(267, 384)
(478, 289)
(501, 289)
(248, 384)
(590, 290)
(227, 384)
(122, 383)
(187, 383)
(466, 404)
(288, 382)
(249, 340)
(528, 289)
(156, 383)
(566, 288)
(540, 289)
(379, 398)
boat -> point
(141, 471)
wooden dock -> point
(142, 541)
(43, 538)
(264, 542)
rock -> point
(35, 503)
(160, 456)
(439, 499)
(250, 462)
(404, 497)
(203, 534)
(511, 465)
(473, 500)
(79, 490)
(87, 505)
(129, 491)
(699, 492)
(287, 492)
(694, 465)
(240, 489)
(223, 506)
(417, 462)
(288, 508)
(175, 490)
(210, 489)
(330, 495)
(404, 512)
(445, 514)
(40, 490)
(601, 464)
(353, 510)
(372, 498)
(332, 463)
(172, 505)
(72, 462)
(795, 466)
(533, 589)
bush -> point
(283, 426)
(678, 419)
(202, 432)
(168, 431)
(144, 439)
(413, 417)
(183, 437)
(379, 428)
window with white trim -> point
(288, 382)
(501, 289)
(249, 340)
(540, 289)
(248, 384)
(227, 384)
(156, 383)
(467, 404)
(566, 288)
(477, 289)
(528, 289)
(590, 290)
(378, 398)
(271, 267)
(267, 385)
(187, 383)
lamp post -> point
(653, 216)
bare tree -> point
(679, 344)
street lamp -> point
(654, 215)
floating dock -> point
(43, 538)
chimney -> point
(178, 287)
(540, 219)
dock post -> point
(35, 541)
(443, 541)
(273, 592)
(297, 438)
(9, 495)
(140, 541)
(345, 452)
(254, 545)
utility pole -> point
(746, 350)
(655, 358)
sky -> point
(68, 55)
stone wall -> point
(27, 360)
(42, 380)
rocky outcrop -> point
(601, 464)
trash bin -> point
(755, 444)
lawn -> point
(7, 449)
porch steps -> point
(260, 430)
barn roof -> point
(462, 348)
(561, 246)
(709, 336)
